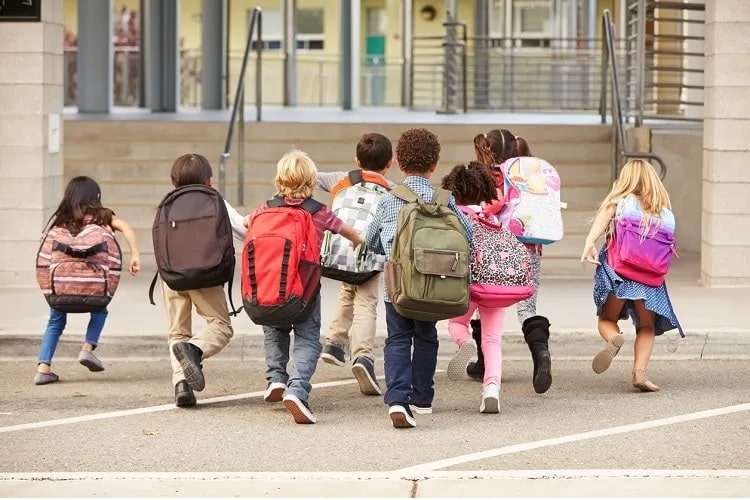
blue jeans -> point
(306, 352)
(409, 378)
(56, 325)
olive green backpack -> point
(427, 274)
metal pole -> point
(450, 62)
(481, 54)
(604, 73)
(407, 28)
(259, 67)
(345, 63)
(290, 52)
(640, 61)
(241, 150)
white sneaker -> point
(401, 417)
(457, 366)
(421, 410)
(275, 392)
(490, 399)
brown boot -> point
(604, 358)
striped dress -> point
(656, 299)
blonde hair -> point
(295, 175)
(639, 178)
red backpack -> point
(281, 263)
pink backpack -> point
(500, 265)
(641, 259)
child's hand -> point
(135, 265)
(590, 254)
(357, 241)
(246, 221)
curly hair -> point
(417, 151)
(494, 147)
(471, 185)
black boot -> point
(475, 370)
(536, 334)
(183, 395)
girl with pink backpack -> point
(500, 277)
(638, 225)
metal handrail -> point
(619, 140)
(238, 107)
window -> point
(310, 29)
(521, 23)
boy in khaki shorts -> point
(355, 320)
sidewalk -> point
(709, 317)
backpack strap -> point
(442, 197)
(311, 206)
(404, 192)
(152, 288)
(233, 311)
(355, 177)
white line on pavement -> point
(544, 443)
(155, 409)
(301, 476)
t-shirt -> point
(630, 208)
(324, 219)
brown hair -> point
(522, 147)
(374, 152)
(471, 185)
(191, 169)
(417, 151)
(494, 147)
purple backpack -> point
(500, 265)
(644, 259)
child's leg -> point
(211, 305)
(493, 324)
(644, 344)
(467, 346)
(55, 326)
(306, 353)
(362, 331)
(424, 363)
(397, 357)
(527, 308)
(179, 310)
(338, 333)
(94, 329)
(276, 343)
(610, 332)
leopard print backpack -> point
(500, 265)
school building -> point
(117, 89)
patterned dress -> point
(656, 299)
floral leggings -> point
(527, 308)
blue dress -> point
(656, 299)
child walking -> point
(186, 349)
(81, 206)
(295, 183)
(409, 374)
(355, 319)
(637, 194)
(472, 186)
(492, 150)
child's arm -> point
(462, 219)
(326, 180)
(601, 222)
(239, 229)
(127, 231)
(372, 238)
(351, 234)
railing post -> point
(640, 61)
(241, 150)
(259, 67)
(604, 73)
(450, 66)
(407, 82)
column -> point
(481, 54)
(350, 54)
(31, 104)
(213, 54)
(95, 32)
(725, 248)
(694, 27)
(407, 35)
(162, 54)
(290, 52)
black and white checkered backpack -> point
(355, 199)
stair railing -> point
(238, 107)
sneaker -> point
(189, 357)
(299, 409)
(183, 395)
(401, 416)
(459, 363)
(490, 399)
(422, 409)
(45, 378)
(274, 392)
(87, 359)
(603, 360)
(475, 371)
(333, 354)
(364, 371)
